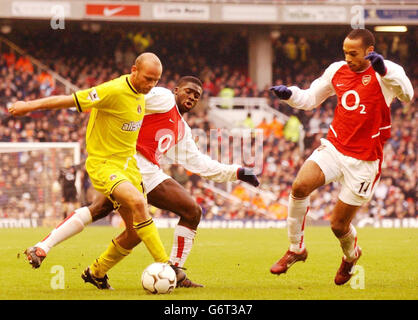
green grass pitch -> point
(233, 264)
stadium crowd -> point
(299, 60)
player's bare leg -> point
(101, 207)
(309, 178)
(170, 195)
(345, 232)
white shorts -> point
(358, 178)
(152, 175)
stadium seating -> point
(299, 60)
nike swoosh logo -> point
(110, 12)
(171, 120)
(340, 84)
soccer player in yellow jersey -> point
(117, 109)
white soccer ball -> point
(159, 278)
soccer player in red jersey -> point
(352, 154)
(163, 132)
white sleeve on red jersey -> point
(395, 83)
(319, 90)
(159, 100)
(187, 154)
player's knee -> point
(100, 209)
(192, 214)
(339, 227)
(197, 214)
(136, 203)
(300, 189)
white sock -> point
(182, 245)
(349, 244)
(298, 208)
(72, 225)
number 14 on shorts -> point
(364, 186)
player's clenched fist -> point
(377, 62)
(282, 92)
(19, 108)
(247, 175)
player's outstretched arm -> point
(393, 75)
(21, 108)
(308, 99)
(187, 154)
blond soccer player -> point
(117, 109)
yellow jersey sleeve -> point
(97, 97)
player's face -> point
(146, 77)
(187, 96)
(355, 52)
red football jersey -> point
(362, 121)
(159, 132)
(164, 132)
(362, 117)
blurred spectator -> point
(292, 129)
(241, 193)
(304, 49)
(276, 127)
(258, 201)
(226, 94)
(9, 57)
(67, 178)
(24, 64)
(278, 210)
(47, 83)
(248, 122)
(291, 49)
(263, 125)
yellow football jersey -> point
(117, 110)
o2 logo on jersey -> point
(164, 142)
(348, 96)
(165, 139)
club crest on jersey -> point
(366, 79)
(112, 177)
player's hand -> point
(282, 92)
(247, 175)
(19, 108)
(377, 61)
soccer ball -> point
(159, 278)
